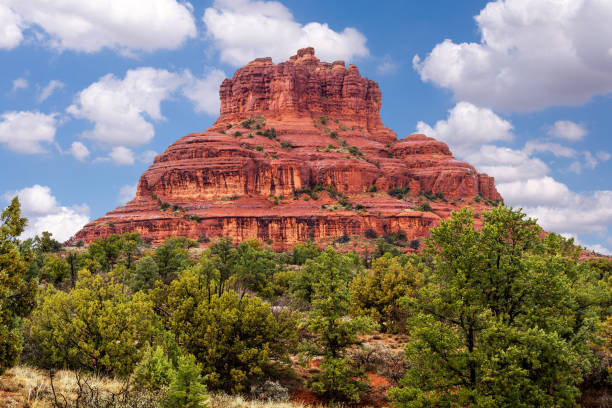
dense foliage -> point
(499, 315)
(505, 317)
(16, 290)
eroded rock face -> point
(296, 145)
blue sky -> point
(91, 91)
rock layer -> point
(298, 152)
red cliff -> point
(299, 151)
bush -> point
(373, 188)
(236, 339)
(154, 371)
(259, 148)
(286, 145)
(303, 252)
(339, 381)
(270, 391)
(95, 327)
(370, 233)
(376, 292)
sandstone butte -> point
(298, 152)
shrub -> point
(154, 371)
(354, 150)
(333, 134)
(236, 339)
(424, 207)
(373, 188)
(399, 192)
(270, 391)
(95, 327)
(376, 292)
(237, 133)
(286, 145)
(370, 233)
(339, 381)
(259, 148)
(303, 252)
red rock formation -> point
(294, 145)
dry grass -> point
(29, 387)
(228, 401)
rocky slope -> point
(299, 151)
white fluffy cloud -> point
(79, 151)
(20, 83)
(532, 54)
(48, 90)
(120, 107)
(534, 146)
(522, 179)
(243, 30)
(568, 130)
(126, 193)
(126, 25)
(10, 28)
(25, 131)
(204, 92)
(468, 127)
(44, 213)
(506, 164)
(122, 155)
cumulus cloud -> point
(523, 179)
(506, 164)
(120, 108)
(243, 30)
(126, 193)
(44, 213)
(89, 26)
(48, 90)
(10, 28)
(19, 83)
(25, 131)
(568, 130)
(468, 127)
(79, 151)
(122, 155)
(534, 146)
(204, 92)
(532, 54)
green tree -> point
(172, 257)
(504, 320)
(17, 293)
(237, 340)
(329, 262)
(187, 389)
(302, 252)
(331, 300)
(54, 269)
(145, 274)
(97, 326)
(376, 292)
(154, 371)
(46, 243)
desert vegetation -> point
(495, 316)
